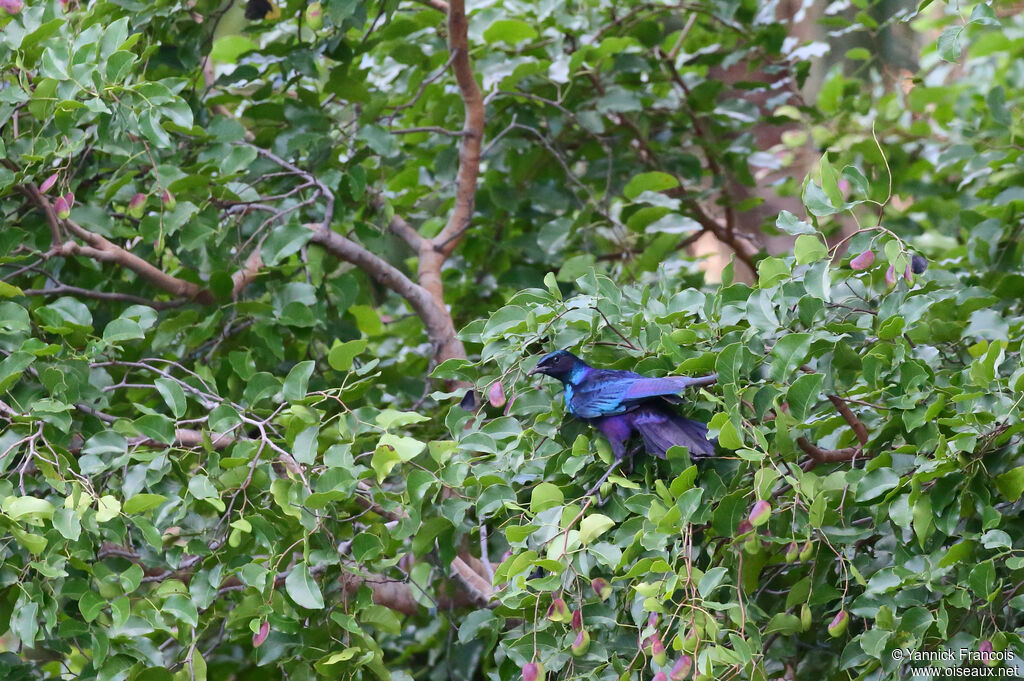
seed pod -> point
(658, 650)
(63, 205)
(601, 587)
(168, 200)
(863, 261)
(918, 263)
(660, 676)
(839, 624)
(652, 620)
(581, 644)
(12, 6)
(987, 653)
(805, 617)
(48, 183)
(681, 669)
(792, 552)
(806, 551)
(890, 276)
(908, 275)
(577, 620)
(496, 395)
(533, 671)
(558, 611)
(760, 513)
(137, 205)
(260, 636)
(315, 16)
(743, 527)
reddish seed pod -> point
(496, 394)
(792, 552)
(908, 275)
(658, 650)
(760, 513)
(260, 636)
(660, 676)
(62, 207)
(48, 183)
(577, 620)
(601, 587)
(652, 620)
(558, 611)
(168, 200)
(890, 276)
(839, 624)
(863, 261)
(681, 669)
(533, 671)
(581, 644)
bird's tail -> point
(661, 428)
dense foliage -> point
(235, 255)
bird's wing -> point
(643, 388)
(600, 393)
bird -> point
(257, 10)
(621, 403)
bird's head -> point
(559, 364)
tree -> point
(251, 269)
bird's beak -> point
(533, 371)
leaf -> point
(143, 502)
(173, 394)
(341, 356)
(817, 201)
(1011, 483)
(20, 508)
(107, 508)
(511, 31)
(67, 522)
(790, 353)
(545, 496)
(297, 380)
(594, 526)
(791, 224)
(302, 589)
(711, 580)
(649, 182)
(803, 394)
(808, 249)
(949, 44)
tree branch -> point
(858, 428)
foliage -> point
(232, 444)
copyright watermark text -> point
(958, 662)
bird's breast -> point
(568, 397)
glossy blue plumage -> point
(620, 403)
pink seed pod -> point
(839, 623)
(496, 394)
(681, 669)
(168, 200)
(863, 261)
(908, 274)
(558, 611)
(601, 587)
(581, 644)
(660, 676)
(533, 671)
(260, 636)
(63, 206)
(48, 183)
(760, 513)
(577, 620)
(890, 276)
(12, 6)
(658, 650)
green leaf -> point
(21, 508)
(949, 44)
(173, 394)
(545, 496)
(297, 380)
(791, 224)
(511, 31)
(342, 354)
(593, 526)
(1011, 483)
(302, 588)
(107, 508)
(790, 353)
(649, 182)
(803, 394)
(143, 502)
(809, 249)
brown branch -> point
(436, 319)
(819, 455)
(35, 196)
(429, 128)
(435, 251)
(63, 289)
(407, 232)
(245, 276)
(858, 428)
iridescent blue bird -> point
(621, 403)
